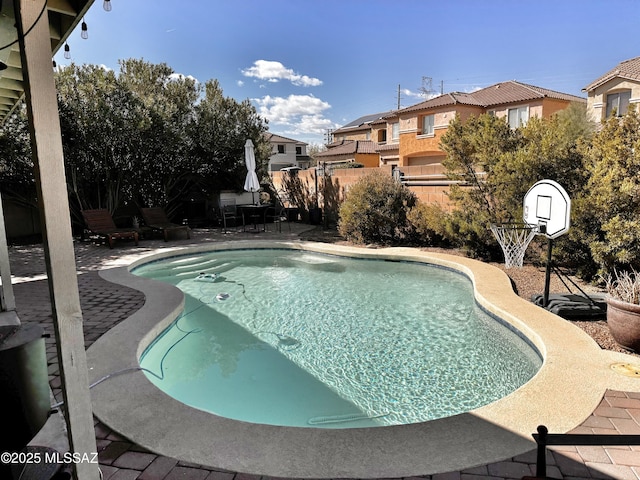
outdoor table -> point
(255, 214)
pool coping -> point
(570, 384)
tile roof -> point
(513, 91)
(350, 147)
(272, 137)
(387, 147)
(498, 94)
(629, 69)
(452, 98)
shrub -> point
(496, 166)
(612, 197)
(428, 223)
(624, 286)
(375, 210)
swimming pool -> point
(570, 383)
(300, 339)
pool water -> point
(302, 339)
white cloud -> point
(296, 114)
(409, 93)
(180, 76)
(275, 71)
(240, 83)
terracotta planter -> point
(624, 323)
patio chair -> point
(279, 211)
(229, 213)
(276, 214)
(100, 222)
(156, 219)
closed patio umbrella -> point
(251, 183)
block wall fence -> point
(429, 191)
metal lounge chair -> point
(156, 219)
(100, 222)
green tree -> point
(150, 137)
(551, 149)
(168, 103)
(101, 124)
(16, 165)
(497, 166)
(548, 149)
(610, 205)
(219, 132)
(474, 150)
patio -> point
(104, 305)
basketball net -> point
(514, 238)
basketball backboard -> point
(547, 206)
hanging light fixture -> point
(67, 52)
(54, 64)
(84, 33)
(106, 5)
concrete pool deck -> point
(618, 411)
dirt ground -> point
(527, 281)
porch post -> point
(46, 143)
(7, 300)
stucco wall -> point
(343, 179)
(355, 135)
(597, 102)
(419, 149)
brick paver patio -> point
(105, 304)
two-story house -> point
(286, 152)
(614, 91)
(416, 130)
(411, 136)
(355, 142)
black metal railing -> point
(543, 438)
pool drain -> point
(626, 369)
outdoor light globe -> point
(84, 33)
(107, 5)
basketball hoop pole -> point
(547, 274)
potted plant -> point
(623, 308)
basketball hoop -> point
(514, 238)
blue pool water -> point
(302, 339)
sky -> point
(311, 66)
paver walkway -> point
(105, 304)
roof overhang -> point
(63, 17)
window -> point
(427, 124)
(367, 136)
(382, 136)
(518, 116)
(280, 148)
(298, 150)
(618, 103)
(395, 131)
